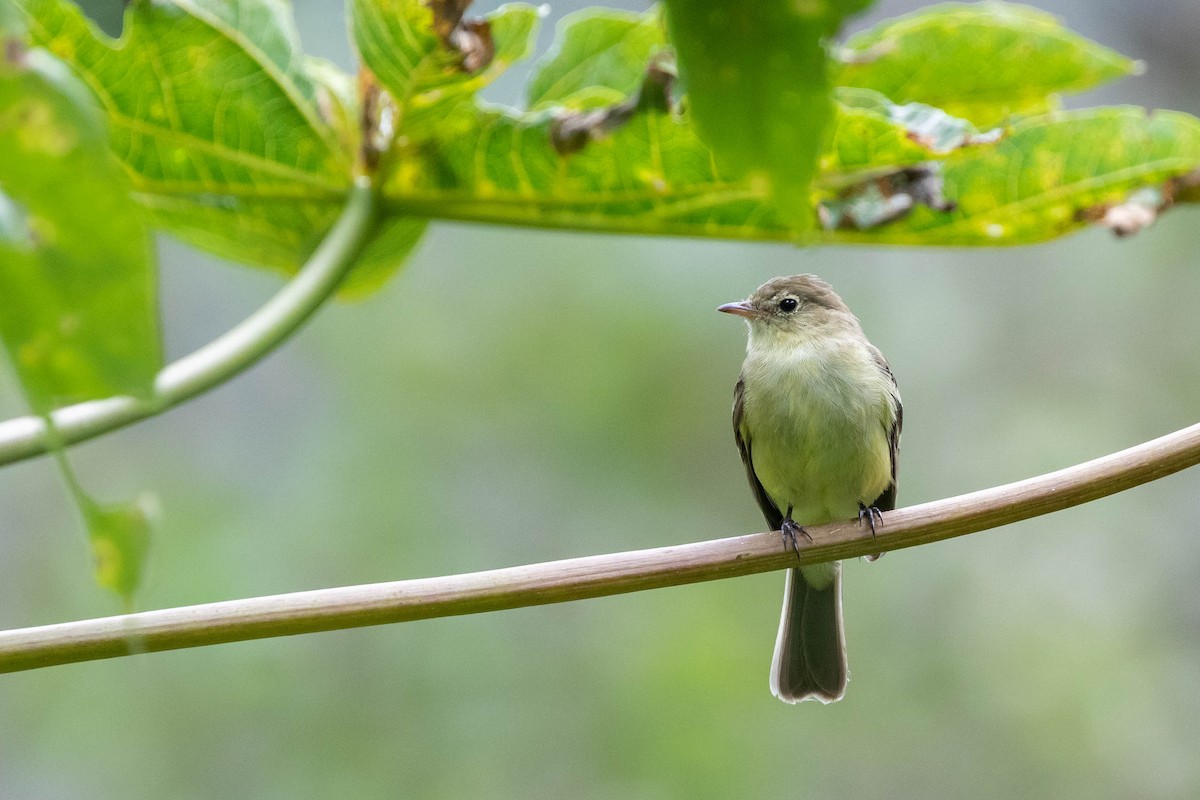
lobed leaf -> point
(650, 172)
(985, 62)
(77, 276)
(217, 115)
(187, 85)
(653, 175)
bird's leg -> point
(789, 529)
(872, 515)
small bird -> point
(817, 418)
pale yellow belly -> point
(819, 443)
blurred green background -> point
(517, 396)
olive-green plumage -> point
(817, 420)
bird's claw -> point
(872, 516)
(790, 529)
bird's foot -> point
(872, 515)
(790, 529)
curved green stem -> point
(224, 357)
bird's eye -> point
(788, 304)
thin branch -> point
(221, 359)
(594, 576)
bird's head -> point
(790, 309)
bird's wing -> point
(772, 514)
(887, 500)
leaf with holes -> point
(1042, 179)
(652, 175)
(432, 59)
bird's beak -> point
(741, 308)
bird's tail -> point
(810, 651)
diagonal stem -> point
(593, 576)
(224, 357)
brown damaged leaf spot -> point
(1136, 213)
(1127, 219)
(447, 14)
(924, 140)
(471, 38)
(940, 145)
(1183, 189)
(571, 131)
(14, 52)
(1143, 206)
(885, 199)
(377, 121)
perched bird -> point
(817, 417)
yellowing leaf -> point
(120, 539)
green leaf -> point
(78, 316)
(432, 63)
(337, 102)
(600, 57)
(214, 112)
(598, 53)
(120, 538)
(653, 175)
(873, 135)
(757, 83)
(649, 173)
(397, 237)
(984, 61)
(1040, 181)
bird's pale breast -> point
(821, 418)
